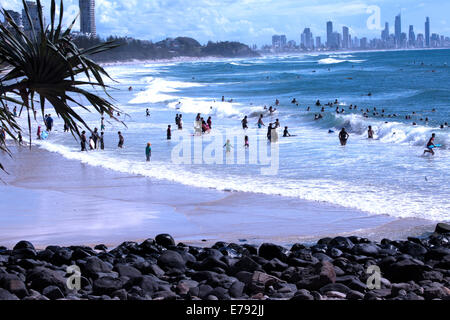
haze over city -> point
(251, 21)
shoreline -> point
(78, 204)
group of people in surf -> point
(201, 126)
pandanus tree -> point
(42, 69)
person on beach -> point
(147, 113)
(370, 132)
(95, 137)
(430, 145)
(277, 124)
(169, 132)
(102, 124)
(15, 111)
(343, 137)
(91, 142)
(176, 119)
(121, 140)
(49, 123)
(223, 98)
(228, 146)
(39, 133)
(102, 141)
(286, 132)
(269, 132)
(19, 138)
(66, 127)
(260, 122)
(83, 141)
(245, 123)
(148, 151)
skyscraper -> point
(33, 11)
(307, 39)
(398, 30)
(87, 17)
(427, 33)
(412, 37)
(329, 34)
(345, 41)
(385, 32)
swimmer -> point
(343, 137)
(286, 132)
(370, 132)
(430, 145)
(244, 123)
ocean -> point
(385, 176)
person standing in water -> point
(121, 140)
(244, 123)
(83, 141)
(343, 137)
(246, 143)
(169, 132)
(148, 151)
(19, 138)
(228, 146)
(430, 145)
(209, 122)
(180, 122)
(260, 122)
(102, 125)
(370, 132)
(286, 132)
(147, 112)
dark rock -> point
(270, 251)
(210, 263)
(335, 253)
(245, 277)
(443, 228)
(53, 293)
(437, 253)
(156, 270)
(204, 291)
(414, 249)
(366, 249)
(405, 270)
(40, 278)
(165, 240)
(237, 289)
(433, 276)
(341, 243)
(275, 265)
(62, 256)
(327, 273)
(171, 259)
(339, 287)
(127, 271)
(220, 293)
(324, 241)
(45, 255)
(24, 245)
(5, 295)
(13, 284)
(322, 257)
(101, 247)
(355, 295)
(252, 250)
(106, 285)
(246, 264)
(94, 266)
(121, 294)
(302, 295)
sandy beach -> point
(48, 199)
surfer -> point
(245, 123)
(370, 132)
(343, 137)
(148, 151)
(121, 140)
(430, 145)
(209, 122)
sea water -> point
(385, 176)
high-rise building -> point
(345, 42)
(318, 42)
(307, 39)
(398, 30)
(385, 32)
(329, 33)
(34, 16)
(412, 37)
(427, 32)
(87, 17)
(279, 41)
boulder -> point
(127, 271)
(443, 228)
(40, 278)
(5, 295)
(53, 293)
(13, 284)
(165, 240)
(106, 285)
(270, 251)
(171, 259)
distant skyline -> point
(252, 21)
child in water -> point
(148, 151)
(228, 146)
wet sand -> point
(48, 199)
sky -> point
(254, 21)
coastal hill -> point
(133, 49)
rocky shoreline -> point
(158, 269)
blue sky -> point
(254, 21)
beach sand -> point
(48, 200)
